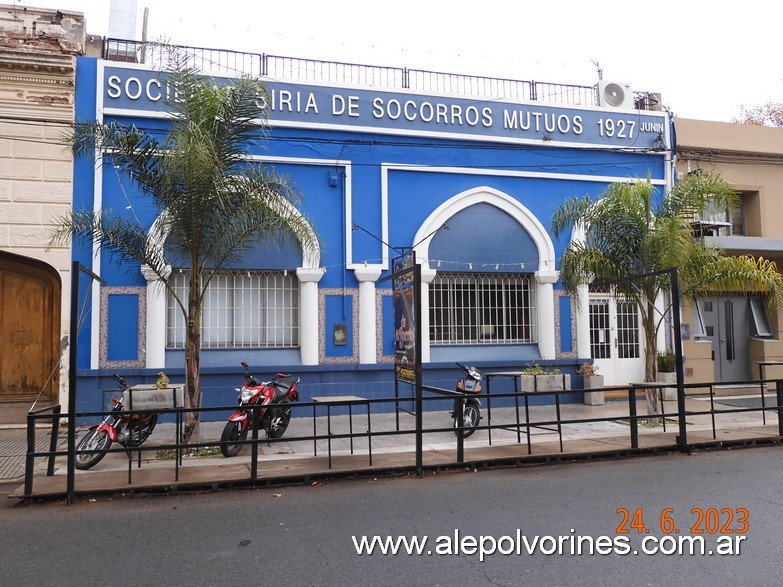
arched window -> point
(252, 302)
(492, 271)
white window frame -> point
(760, 321)
(468, 315)
(698, 321)
(242, 309)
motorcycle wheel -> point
(278, 421)
(232, 433)
(92, 441)
(471, 417)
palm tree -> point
(212, 202)
(627, 232)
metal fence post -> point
(779, 390)
(632, 413)
(460, 430)
(53, 441)
(682, 438)
(30, 460)
(254, 446)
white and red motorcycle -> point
(129, 430)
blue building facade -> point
(469, 183)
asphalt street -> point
(305, 534)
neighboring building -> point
(38, 49)
(382, 155)
(728, 336)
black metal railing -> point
(49, 413)
(523, 422)
(227, 62)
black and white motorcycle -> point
(468, 385)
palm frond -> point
(738, 275)
(212, 202)
(627, 235)
(123, 239)
(696, 193)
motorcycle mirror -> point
(244, 364)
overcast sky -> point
(706, 59)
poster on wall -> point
(405, 352)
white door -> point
(615, 340)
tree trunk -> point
(651, 365)
(192, 366)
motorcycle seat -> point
(283, 386)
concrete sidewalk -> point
(298, 458)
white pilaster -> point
(308, 313)
(367, 276)
(427, 275)
(156, 319)
(582, 311)
(546, 313)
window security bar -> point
(480, 308)
(242, 309)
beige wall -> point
(38, 49)
(751, 159)
(698, 354)
(748, 156)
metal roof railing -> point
(223, 61)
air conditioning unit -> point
(615, 95)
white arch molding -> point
(546, 275)
(309, 274)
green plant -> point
(666, 361)
(588, 369)
(539, 370)
(162, 382)
(203, 451)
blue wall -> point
(122, 341)
(374, 382)
(421, 165)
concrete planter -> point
(594, 398)
(668, 393)
(146, 397)
(550, 382)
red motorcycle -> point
(273, 415)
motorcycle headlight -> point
(245, 395)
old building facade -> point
(38, 50)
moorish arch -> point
(308, 275)
(544, 272)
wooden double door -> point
(29, 329)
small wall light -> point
(340, 334)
